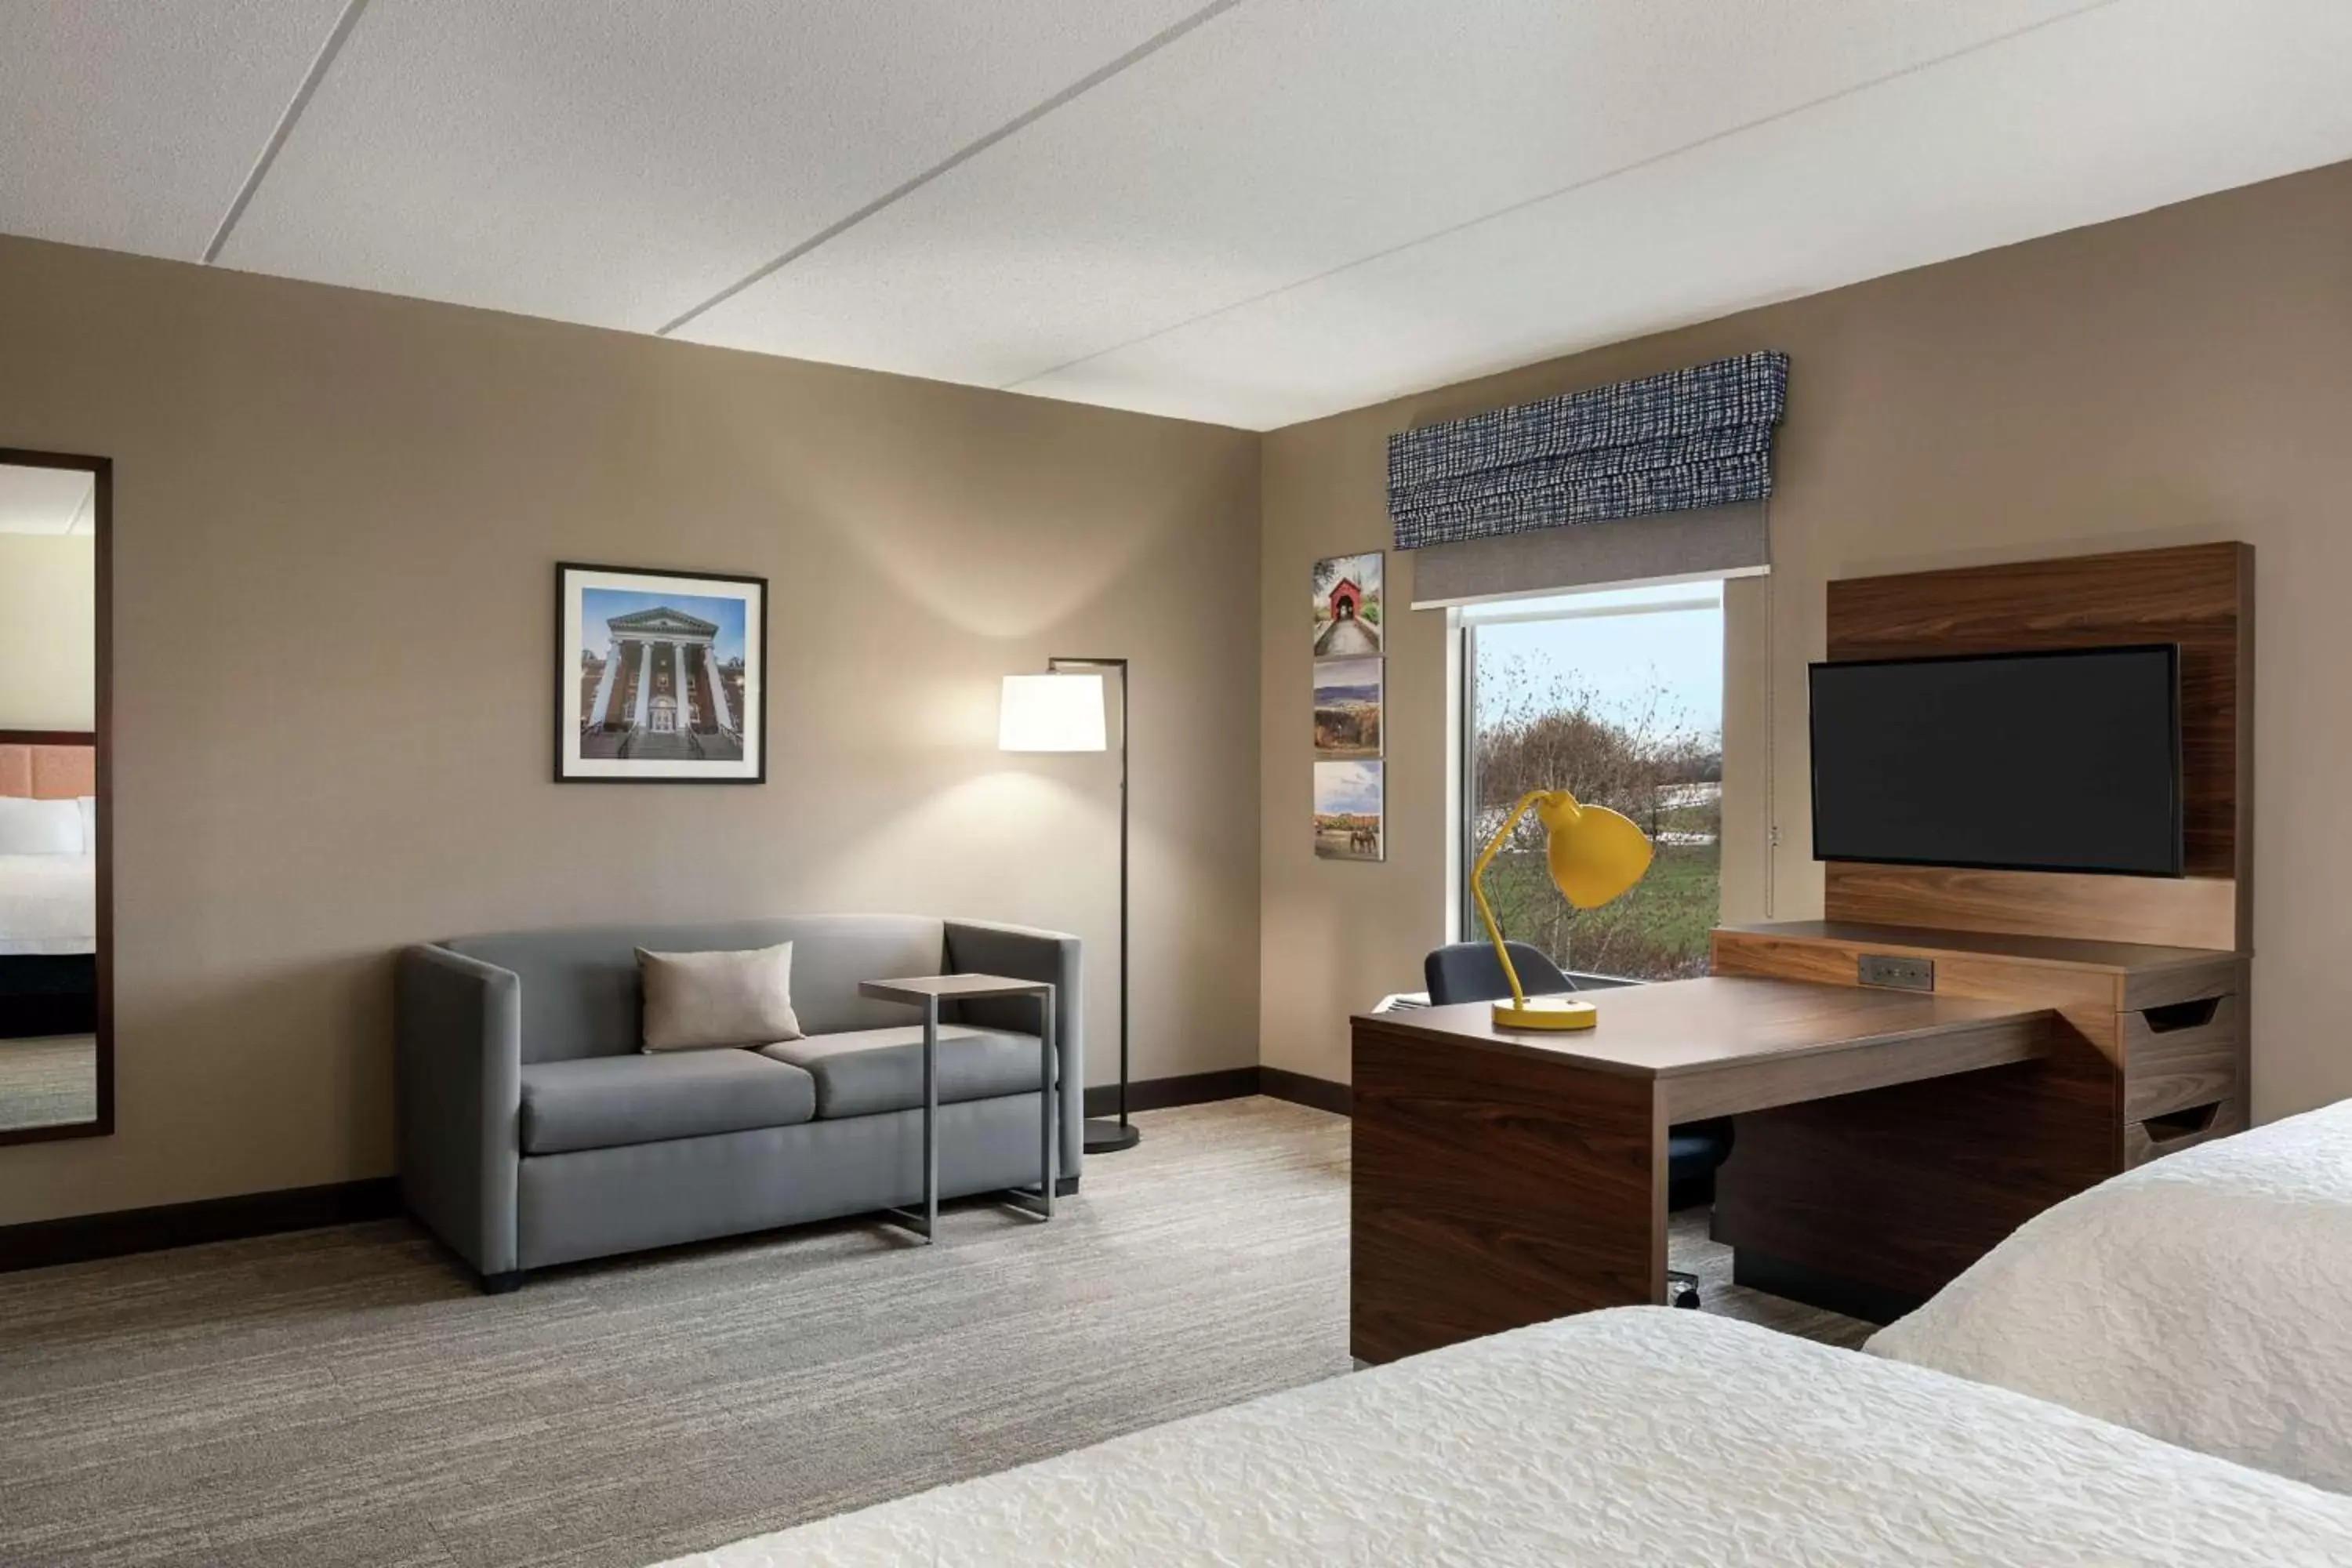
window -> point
(1615, 696)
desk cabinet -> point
(1872, 1203)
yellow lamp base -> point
(1546, 1013)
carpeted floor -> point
(343, 1396)
(48, 1082)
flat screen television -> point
(2065, 761)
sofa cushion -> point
(865, 1073)
(604, 1102)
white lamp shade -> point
(1052, 713)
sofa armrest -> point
(458, 1071)
(1022, 953)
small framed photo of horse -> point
(1348, 605)
(660, 677)
(1348, 812)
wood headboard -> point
(47, 764)
(2200, 596)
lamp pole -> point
(1108, 1137)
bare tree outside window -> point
(1573, 704)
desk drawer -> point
(2170, 1134)
(2182, 1055)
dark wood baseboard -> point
(1232, 1083)
(1796, 1282)
(1161, 1093)
(1299, 1088)
(84, 1237)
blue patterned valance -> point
(1688, 439)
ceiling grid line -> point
(336, 37)
(1069, 94)
(1588, 183)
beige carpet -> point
(48, 1082)
(342, 1397)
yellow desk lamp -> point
(1595, 854)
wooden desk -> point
(1503, 1178)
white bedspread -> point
(2205, 1299)
(48, 904)
(1638, 1436)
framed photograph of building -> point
(1348, 605)
(660, 677)
(1348, 797)
(1347, 708)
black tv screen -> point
(2031, 762)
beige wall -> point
(48, 632)
(338, 514)
(337, 517)
(2182, 375)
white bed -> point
(2205, 1299)
(1637, 1436)
(48, 905)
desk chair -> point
(1469, 971)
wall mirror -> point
(57, 1026)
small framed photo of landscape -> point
(1347, 709)
(660, 677)
(1348, 605)
(1347, 824)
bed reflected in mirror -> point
(56, 1057)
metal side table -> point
(926, 992)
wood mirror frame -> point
(101, 738)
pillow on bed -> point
(2205, 1299)
(89, 804)
(39, 826)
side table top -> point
(919, 989)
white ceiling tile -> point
(1293, 207)
(132, 124)
(619, 162)
(1290, 137)
(44, 500)
(2108, 114)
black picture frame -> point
(585, 752)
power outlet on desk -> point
(1901, 973)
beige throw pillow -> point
(696, 1001)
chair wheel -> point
(1688, 1297)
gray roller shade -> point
(1720, 542)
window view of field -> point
(1620, 704)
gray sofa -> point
(533, 1131)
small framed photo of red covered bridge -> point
(660, 677)
(1348, 605)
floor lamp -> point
(1062, 710)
